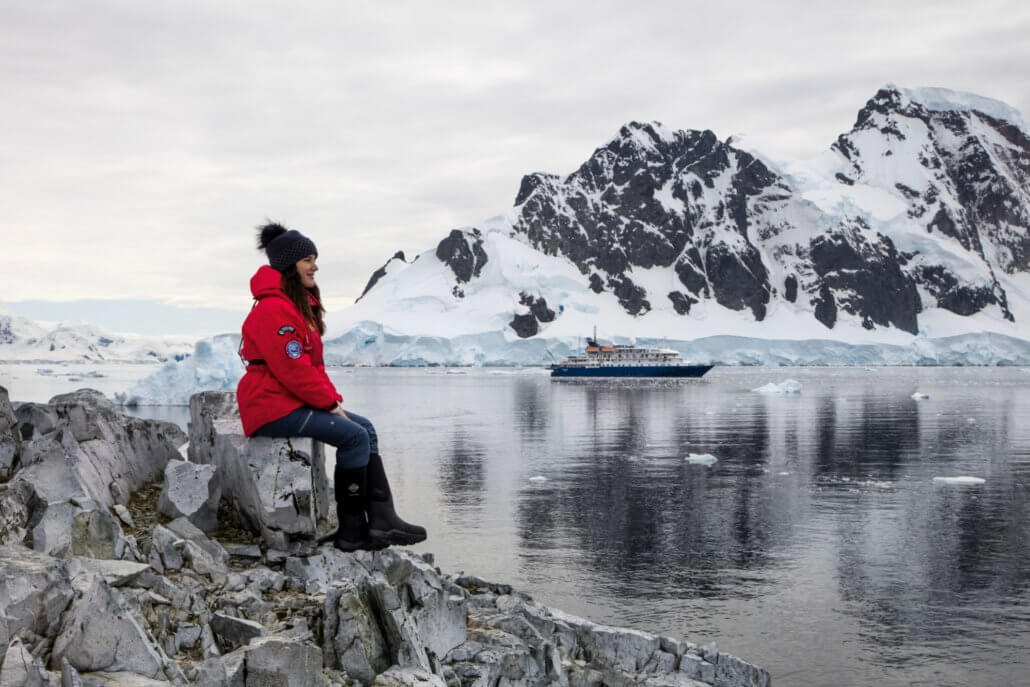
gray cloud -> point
(142, 142)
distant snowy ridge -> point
(914, 226)
(23, 340)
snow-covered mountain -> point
(23, 340)
(916, 223)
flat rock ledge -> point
(179, 607)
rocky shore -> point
(122, 564)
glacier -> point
(215, 363)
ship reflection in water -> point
(818, 545)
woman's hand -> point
(338, 410)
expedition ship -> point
(626, 361)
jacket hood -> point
(267, 281)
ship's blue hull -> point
(632, 371)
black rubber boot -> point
(351, 496)
(385, 527)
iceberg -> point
(964, 480)
(215, 365)
(706, 459)
(787, 386)
(920, 396)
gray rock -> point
(352, 640)
(97, 534)
(69, 676)
(208, 643)
(438, 610)
(107, 448)
(317, 573)
(408, 677)
(187, 636)
(34, 591)
(81, 456)
(244, 550)
(232, 633)
(120, 679)
(192, 491)
(478, 585)
(85, 638)
(263, 579)
(623, 649)
(201, 559)
(273, 662)
(275, 556)
(164, 555)
(235, 668)
(123, 514)
(731, 670)
(697, 668)
(35, 420)
(277, 487)
(10, 437)
(115, 573)
(211, 673)
(206, 408)
(185, 529)
(22, 669)
(5, 636)
(16, 499)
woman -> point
(286, 392)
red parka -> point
(293, 373)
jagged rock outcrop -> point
(277, 487)
(185, 611)
(77, 459)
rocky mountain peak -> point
(924, 204)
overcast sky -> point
(141, 142)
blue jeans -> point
(354, 436)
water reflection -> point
(921, 568)
(462, 478)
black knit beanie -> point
(287, 248)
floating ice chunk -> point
(920, 396)
(962, 480)
(706, 459)
(970, 419)
(787, 386)
(538, 478)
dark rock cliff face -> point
(463, 252)
(865, 278)
(653, 198)
(976, 193)
(731, 230)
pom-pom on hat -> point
(284, 246)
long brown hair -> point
(298, 293)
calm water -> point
(818, 546)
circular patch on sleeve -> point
(293, 349)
